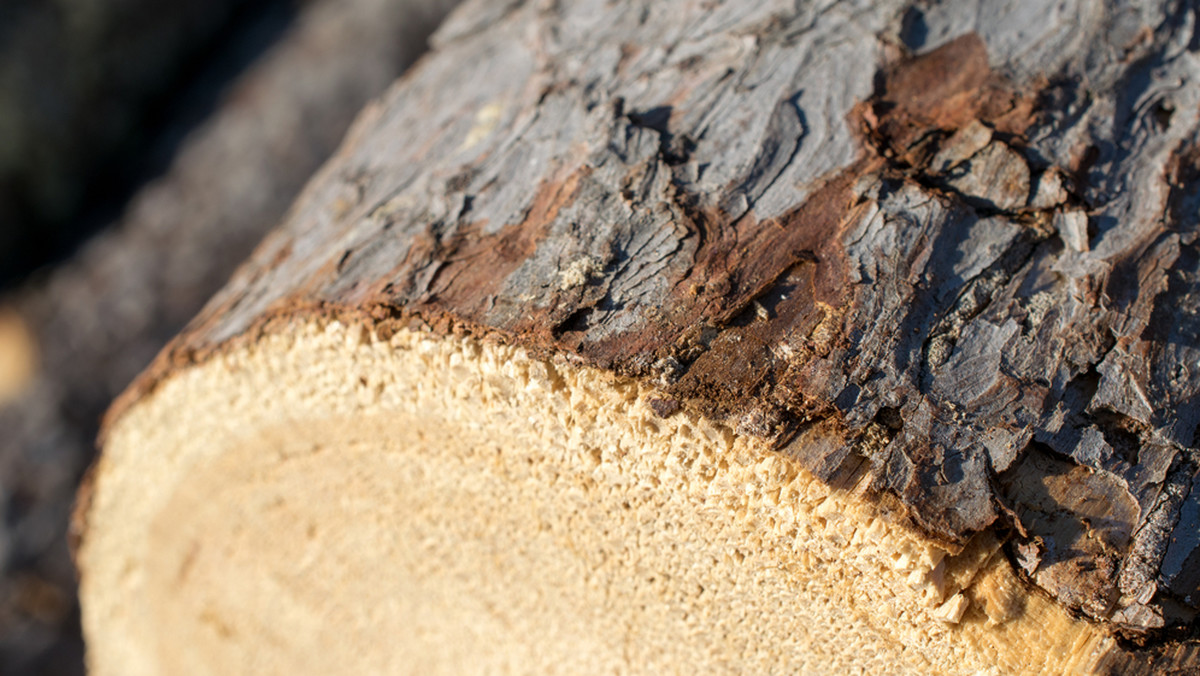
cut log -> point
(18, 355)
(697, 337)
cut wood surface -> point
(915, 283)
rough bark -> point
(961, 238)
(99, 318)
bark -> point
(99, 318)
(960, 237)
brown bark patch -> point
(472, 266)
(771, 294)
(942, 91)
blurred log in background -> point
(174, 135)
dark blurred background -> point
(88, 88)
(145, 148)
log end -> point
(328, 500)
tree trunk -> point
(697, 337)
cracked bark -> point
(960, 239)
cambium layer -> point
(854, 332)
